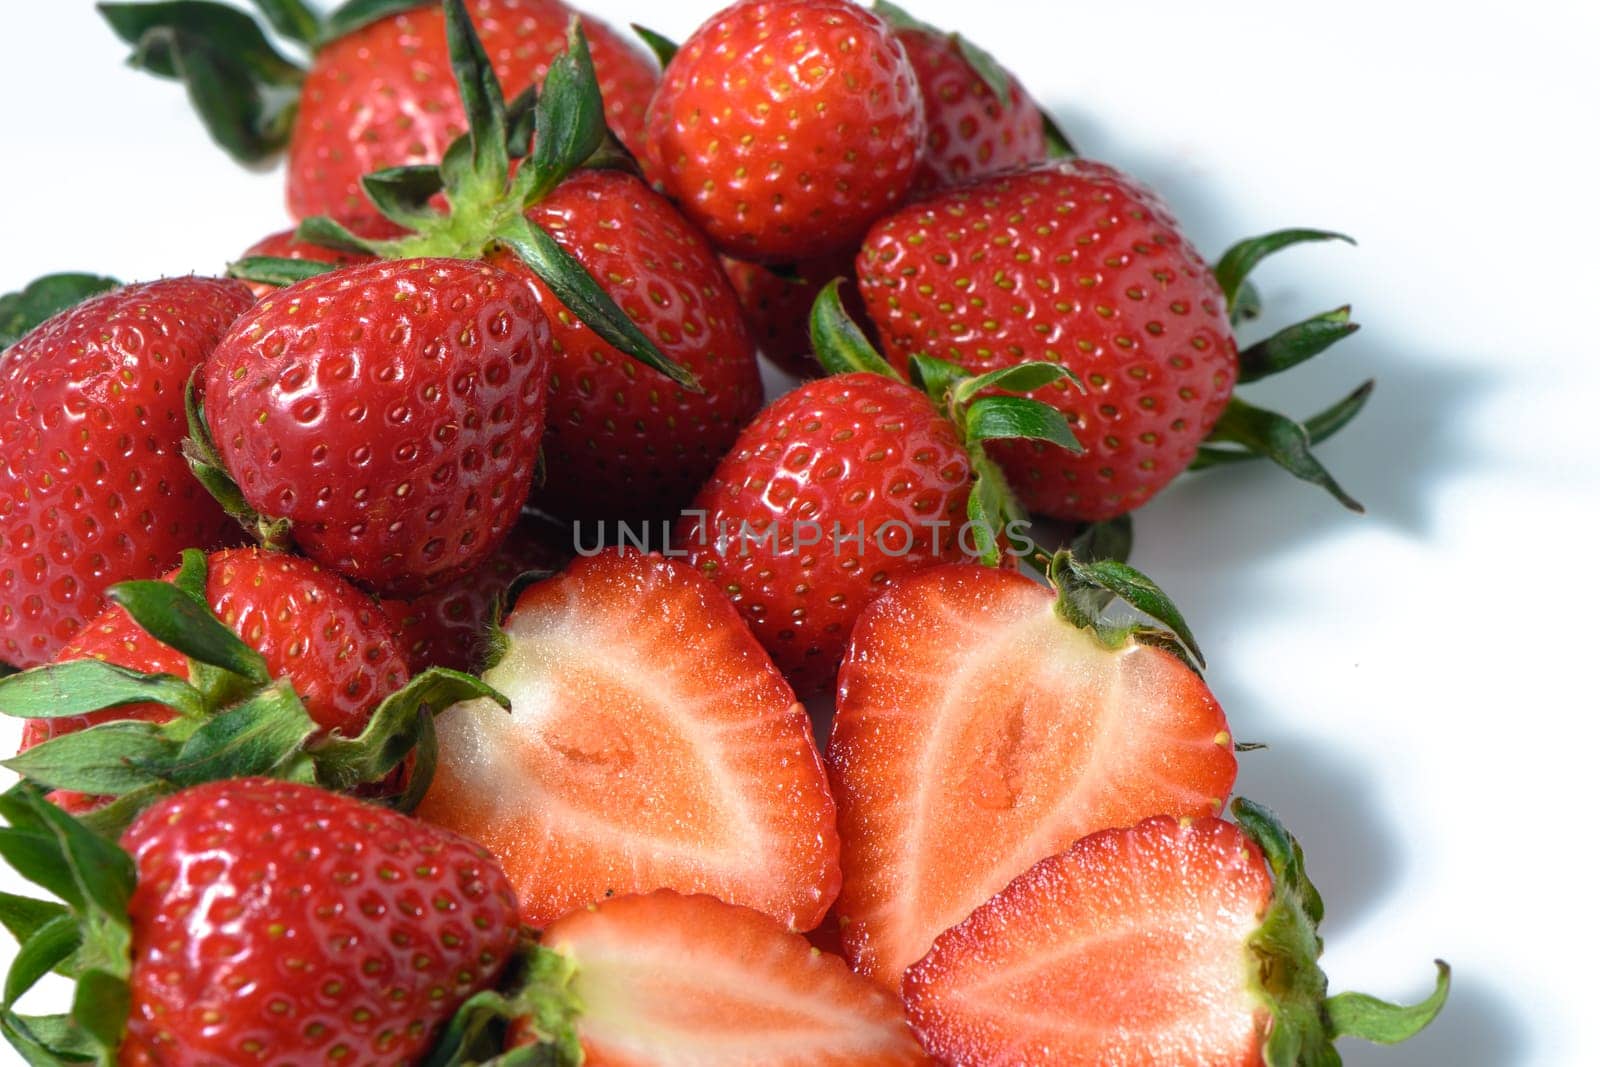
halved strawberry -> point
(979, 730)
(666, 980)
(651, 744)
(1185, 943)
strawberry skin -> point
(1129, 948)
(1074, 263)
(977, 732)
(650, 744)
(624, 441)
(687, 981)
(859, 451)
(280, 923)
(971, 132)
(93, 488)
(390, 411)
(381, 96)
(784, 127)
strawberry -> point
(844, 484)
(389, 413)
(376, 92)
(780, 159)
(93, 488)
(452, 626)
(665, 979)
(979, 729)
(980, 120)
(777, 306)
(253, 921)
(651, 744)
(1187, 943)
(623, 442)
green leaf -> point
(358, 13)
(176, 619)
(424, 765)
(47, 1040)
(481, 96)
(44, 298)
(570, 119)
(986, 516)
(321, 230)
(100, 1004)
(80, 687)
(252, 738)
(936, 377)
(1080, 580)
(1371, 1019)
(48, 948)
(992, 418)
(1319, 428)
(1295, 344)
(1021, 378)
(193, 574)
(838, 342)
(1237, 262)
(278, 270)
(663, 47)
(395, 728)
(986, 67)
(23, 916)
(292, 19)
(402, 193)
(1057, 143)
(110, 820)
(522, 117)
(1246, 305)
(108, 759)
(583, 296)
(232, 36)
(1280, 439)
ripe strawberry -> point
(389, 412)
(780, 159)
(777, 306)
(93, 489)
(651, 744)
(254, 921)
(978, 730)
(377, 92)
(1179, 943)
(452, 626)
(622, 442)
(664, 979)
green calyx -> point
(231, 718)
(488, 199)
(205, 463)
(42, 299)
(982, 408)
(1287, 977)
(539, 998)
(1248, 432)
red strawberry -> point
(378, 93)
(651, 744)
(784, 127)
(93, 489)
(664, 980)
(1174, 943)
(866, 453)
(978, 730)
(624, 442)
(777, 306)
(390, 412)
(451, 626)
(279, 923)
(288, 244)
(1073, 263)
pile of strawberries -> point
(412, 625)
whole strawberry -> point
(784, 127)
(388, 413)
(1075, 263)
(252, 921)
(93, 488)
(622, 441)
(377, 91)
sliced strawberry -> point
(979, 731)
(651, 744)
(672, 981)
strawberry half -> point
(665, 980)
(979, 730)
(651, 744)
(1175, 943)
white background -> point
(1424, 675)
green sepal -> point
(936, 377)
(1280, 439)
(44, 298)
(1384, 1023)
(256, 737)
(1019, 378)
(402, 193)
(540, 995)
(43, 952)
(355, 14)
(1082, 585)
(110, 820)
(522, 119)
(1237, 262)
(986, 513)
(292, 19)
(179, 621)
(1057, 144)
(424, 765)
(84, 686)
(992, 418)
(205, 463)
(278, 270)
(661, 46)
(1293, 345)
(324, 231)
(107, 759)
(839, 344)
(49, 1040)
(481, 97)
(570, 120)
(579, 292)
(395, 728)
(987, 68)
(1246, 304)
(218, 26)
(23, 916)
(1319, 427)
